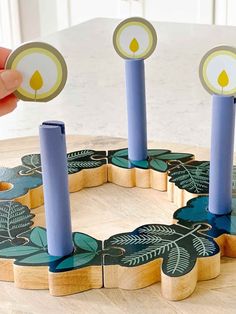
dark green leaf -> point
(159, 165)
(175, 156)
(141, 164)
(85, 242)
(157, 152)
(121, 153)
(39, 237)
(15, 251)
(76, 260)
(120, 162)
(40, 258)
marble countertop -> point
(93, 101)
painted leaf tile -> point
(33, 251)
(192, 176)
(179, 246)
(158, 159)
(20, 179)
(15, 219)
(77, 160)
(196, 211)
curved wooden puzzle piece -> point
(176, 255)
(25, 261)
(145, 174)
(21, 185)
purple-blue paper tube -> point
(55, 187)
(136, 109)
(222, 151)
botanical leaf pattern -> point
(196, 211)
(178, 246)
(158, 159)
(33, 162)
(34, 252)
(15, 219)
(192, 176)
(178, 260)
(77, 161)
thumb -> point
(10, 80)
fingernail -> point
(11, 79)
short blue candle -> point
(55, 187)
(136, 109)
(222, 152)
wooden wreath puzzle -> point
(178, 255)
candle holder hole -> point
(5, 186)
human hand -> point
(10, 80)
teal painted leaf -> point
(120, 162)
(121, 153)
(175, 156)
(15, 251)
(159, 165)
(38, 236)
(141, 164)
(192, 177)
(15, 219)
(76, 260)
(37, 259)
(85, 242)
(157, 152)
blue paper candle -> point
(222, 152)
(218, 76)
(136, 109)
(55, 187)
(134, 40)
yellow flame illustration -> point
(134, 46)
(223, 79)
(36, 81)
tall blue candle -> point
(134, 40)
(136, 108)
(222, 150)
(55, 186)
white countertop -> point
(93, 101)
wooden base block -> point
(116, 276)
(6, 269)
(74, 281)
(87, 178)
(31, 277)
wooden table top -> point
(104, 211)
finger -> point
(4, 53)
(10, 80)
(8, 104)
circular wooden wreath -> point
(178, 255)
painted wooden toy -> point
(179, 254)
